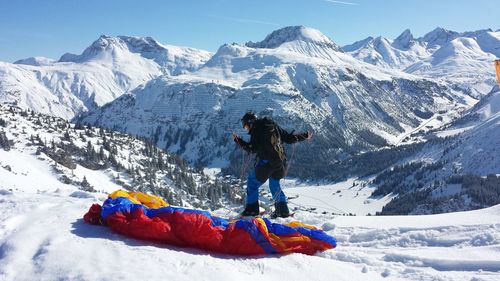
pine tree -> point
(90, 149)
(102, 155)
(4, 141)
(86, 185)
(161, 164)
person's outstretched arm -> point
(293, 138)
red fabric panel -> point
(93, 216)
(185, 230)
(238, 241)
(138, 225)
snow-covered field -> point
(349, 197)
(43, 237)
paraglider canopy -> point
(149, 217)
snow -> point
(349, 197)
(43, 237)
(439, 36)
(480, 138)
(404, 40)
(452, 132)
(24, 169)
(491, 108)
(36, 61)
(293, 33)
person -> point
(266, 140)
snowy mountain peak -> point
(111, 45)
(381, 40)
(100, 45)
(476, 33)
(457, 48)
(460, 57)
(357, 45)
(439, 37)
(96, 49)
(293, 33)
(141, 44)
(172, 59)
(404, 40)
(35, 61)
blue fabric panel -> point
(119, 204)
(124, 205)
(255, 233)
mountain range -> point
(296, 75)
(105, 70)
(463, 58)
(373, 105)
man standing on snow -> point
(266, 140)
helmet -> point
(248, 119)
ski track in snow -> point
(42, 237)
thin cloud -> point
(342, 2)
(243, 20)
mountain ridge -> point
(108, 68)
(423, 56)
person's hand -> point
(309, 135)
(235, 137)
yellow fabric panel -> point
(301, 238)
(150, 201)
(281, 241)
(261, 222)
(123, 193)
(299, 224)
(276, 240)
(497, 66)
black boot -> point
(251, 210)
(280, 210)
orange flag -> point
(497, 66)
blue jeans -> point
(253, 185)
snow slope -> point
(459, 166)
(91, 158)
(43, 237)
(473, 144)
(353, 196)
(479, 138)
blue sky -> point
(51, 28)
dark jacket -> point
(266, 140)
